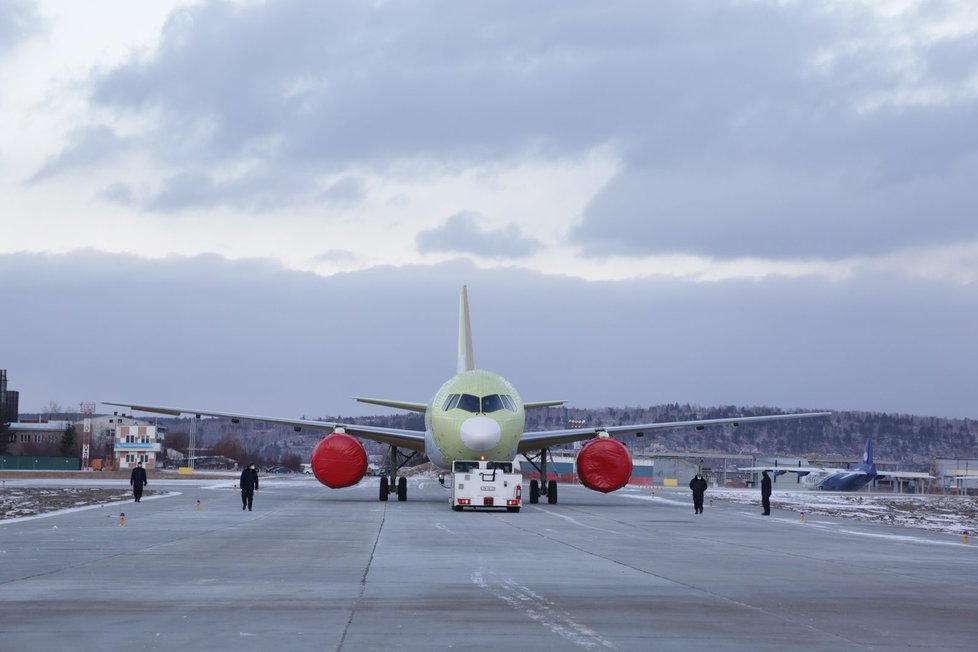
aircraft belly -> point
(435, 455)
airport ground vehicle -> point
(279, 469)
(484, 484)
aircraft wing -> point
(400, 405)
(412, 439)
(800, 469)
(904, 474)
(531, 441)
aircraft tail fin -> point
(466, 359)
(868, 455)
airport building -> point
(28, 438)
(136, 443)
(957, 474)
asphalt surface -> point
(317, 569)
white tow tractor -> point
(482, 484)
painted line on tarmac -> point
(834, 527)
(572, 520)
(660, 499)
(537, 608)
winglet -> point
(466, 359)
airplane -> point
(476, 414)
(838, 479)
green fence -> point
(39, 463)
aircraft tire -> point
(385, 488)
(552, 492)
(402, 489)
(534, 492)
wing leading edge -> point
(411, 439)
(532, 441)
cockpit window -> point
(485, 405)
(469, 403)
(492, 403)
(448, 402)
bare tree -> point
(68, 441)
(53, 409)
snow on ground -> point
(31, 501)
(949, 514)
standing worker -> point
(138, 480)
(766, 494)
(698, 485)
(249, 485)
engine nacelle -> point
(339, 460)
(604, 465)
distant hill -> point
(896, 437)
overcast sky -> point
(269, 207)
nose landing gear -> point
(549, 488)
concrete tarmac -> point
(317, 569)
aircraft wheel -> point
(534, 492)
(385, 487)
(552, 492)
(402, 489)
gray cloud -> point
(462, 233)
(19, 21)
(250, 336)
(86, 146)
(347, 190)
(118, 193)
(733, 141)
(776, 213)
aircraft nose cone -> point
(480, 433)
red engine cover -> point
(604, 465)
(338, 460)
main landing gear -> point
(392, 483)
(539, 462)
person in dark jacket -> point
(249, 485)
(698, 485)
(138, 480)
(766, 494)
